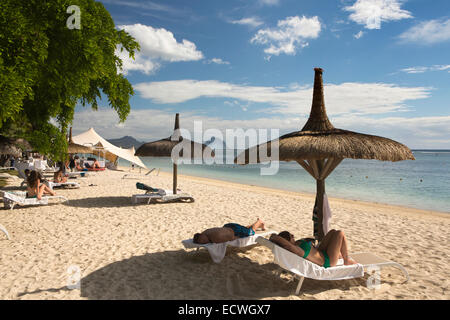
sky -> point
(249, 64)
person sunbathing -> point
(228, 232)
(333, 247)
(95, 164)
(59, 176)
(35, 188)
(78, 167)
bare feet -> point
(349, 261)
(260, 224)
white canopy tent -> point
(92, 138)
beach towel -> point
(217, 251)
(326, 215)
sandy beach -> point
(126, 251)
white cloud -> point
(362, 98)
(217, 61)
(358, 35)
(371, 13)
(289, 34)
(140, 62)
(428, 32)
(426, 69)
(151, 124)
(250, 21)
(156, 45)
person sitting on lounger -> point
(333, 247)
(59, 176)
(78, 164)
(228, 232)
(94, 165)
(35, 188)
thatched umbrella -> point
(9, 147)
(164, 147)
(319, 147)
(73, 147)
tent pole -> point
(175, 169)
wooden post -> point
(175, 169)
(320, 185)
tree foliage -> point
(47, 68)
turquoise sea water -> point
(423, 183)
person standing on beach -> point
(72, 163)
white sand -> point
(135, 252)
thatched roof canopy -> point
(164, 147)
(319, 139)
(319, 148)
(73, 147)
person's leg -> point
(46, 190)
(338, 246)
(326, 240)
(344, 251)
(257, 225)
(334, 247)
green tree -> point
(46, 68)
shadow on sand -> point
(101, 202)
(192, 275)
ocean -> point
(423, 183)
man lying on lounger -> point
(333, 247)
(228, 232)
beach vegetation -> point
(47, 69)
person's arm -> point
(39, 191)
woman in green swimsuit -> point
(333, 247)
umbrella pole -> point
(320, 185)
(175, 169)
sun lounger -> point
(217, 250)
(161, 197)
(153, 195)
(303, 268)
(3, 229)
(69, 185)
(8, 168)
(10, 199)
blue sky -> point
(249, 64)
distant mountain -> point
(126, 142)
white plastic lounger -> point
(163, 197)
(8, 168)
(11, 199)
(70, 185)
(217, 251)
(303, 268)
